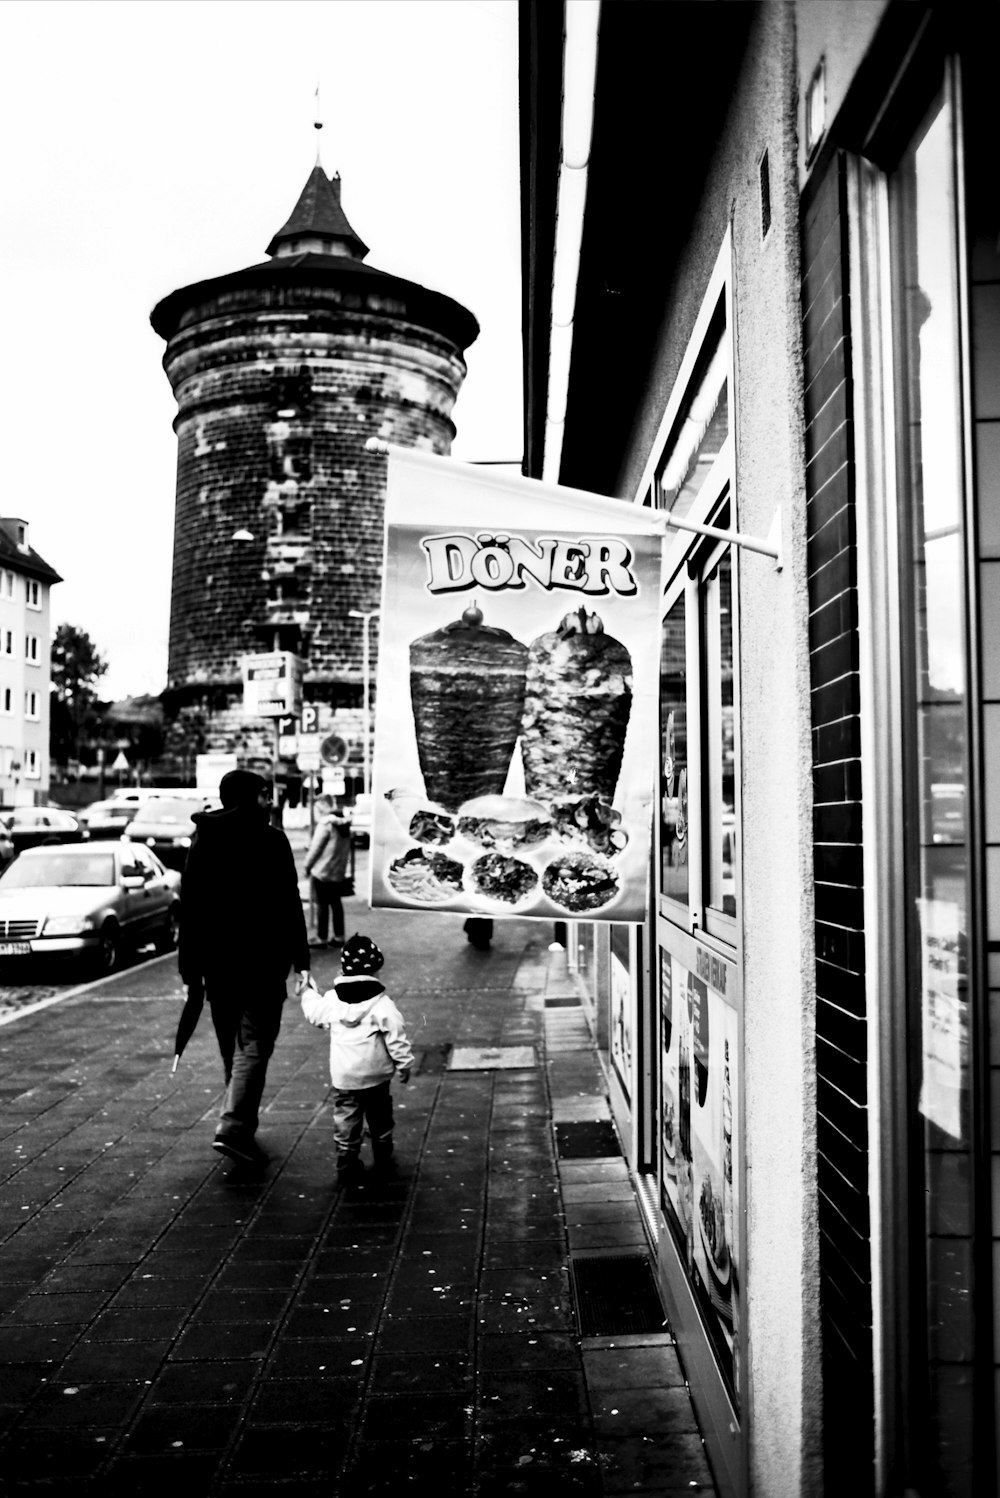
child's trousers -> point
(352, 1109)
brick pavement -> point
(170, 1319)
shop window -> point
(674, 863)
(720, 753)
(936, 765)
(698, 826)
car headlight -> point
(182, 842)
(67, 925)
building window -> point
(673, 763)
(694, 966)
(31, 648)
(8, 700)
(6, 583)
(32, 765)
(8, 642)
(34, 594)
(700, 427)
(31, 705)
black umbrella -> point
(190, 1015)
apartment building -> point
(25, 640)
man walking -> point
(242, 929)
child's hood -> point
(357, 997)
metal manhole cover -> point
(616, 1295)
(586, 1141)
(492, 1058)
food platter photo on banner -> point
(516, 729)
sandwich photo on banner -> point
(515, 734)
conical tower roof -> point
(318, 216)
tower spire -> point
(318, 125)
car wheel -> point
(166, 939)
(109, 949)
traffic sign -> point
(334, 750)
(272, 685)
(308, 752)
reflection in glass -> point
(698, 437)
(937, 852)
(673, 758)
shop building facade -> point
(784, 326)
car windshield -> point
(51, 869)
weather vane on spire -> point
(318, 123)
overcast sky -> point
(148, 144)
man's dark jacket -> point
(241, 913)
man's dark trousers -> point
(247, 1017)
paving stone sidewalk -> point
(170, 1319)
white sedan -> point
(77, 900)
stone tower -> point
(281, 373)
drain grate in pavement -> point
(492, 1058)
(586, 1141)
(616, 1295)
(563, 1004)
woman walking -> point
(326, 864)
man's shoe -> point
(247, 1152)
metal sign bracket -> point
(770, 547)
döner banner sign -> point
(515, 732)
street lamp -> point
(366, 680)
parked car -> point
(108, 818)
(86, 902)
(32, 826)
(7, 849)
(164, 824)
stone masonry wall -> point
(275, 407)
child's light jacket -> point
(367, 1039)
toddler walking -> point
(367, 1045)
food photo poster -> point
(515, 729)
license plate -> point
(15, 948)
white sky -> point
(147, 144)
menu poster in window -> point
(714, 1269)
(676, 1102)
(945, 1015)
(621, 1023)
(516, 725)
(669, 1084)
